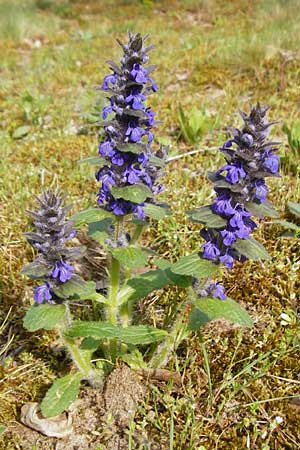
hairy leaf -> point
(135, 334)
(131, 256)
(62, 393)
(194, 265)
(136, 193)
(156, 212)
(44, 316)
(251, 248)
(206, 216)
(207, 309)
(90, 215)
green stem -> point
(137, 233)
(165, 350)
(80, 358)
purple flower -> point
(271, 162)
(246, 162)
(109, 79)
(210, 250)
(62, 271)
(42, 293)
(134, 132)
(235, 172)
(139, 74)
(137, 100)
(131, 122)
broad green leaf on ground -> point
(156, 212)
(251, 248)
(44, 316)
(206, 216)
(135, 334)
(90, 215)
(131, 256)
(194, 265)
(294, 208)
(207, 309)
(262, 210)
(61, 395)
(136, 193)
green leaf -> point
(225, 184)
(207, 309)
(90, 215)
(131, 257)
(182, 281)
(99, 230)
(206, 216)
(156, 212)
(294, 208)
(288, 225)
(134, 360)
(78, 288)
(36, 269)
(194, 265)
(132, 148)
(62, 393)
(262, 210)
(94, 160)
(21, 132)
(135, 334)
(2, 428)
(90, 344)
(44, 316)
(136, 193)
(251, 248)
(148, 282)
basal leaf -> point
(62, 393)
(44, 316)
(206, 216)
(135, 334)
(136, 193)
(251, 248)
(207, 309)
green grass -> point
(215, 56)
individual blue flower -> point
(42, 293)
(271, 162)
(139, 73)
(62, 271)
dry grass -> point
(213, 54)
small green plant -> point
(195, 123)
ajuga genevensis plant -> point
(128, 168)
